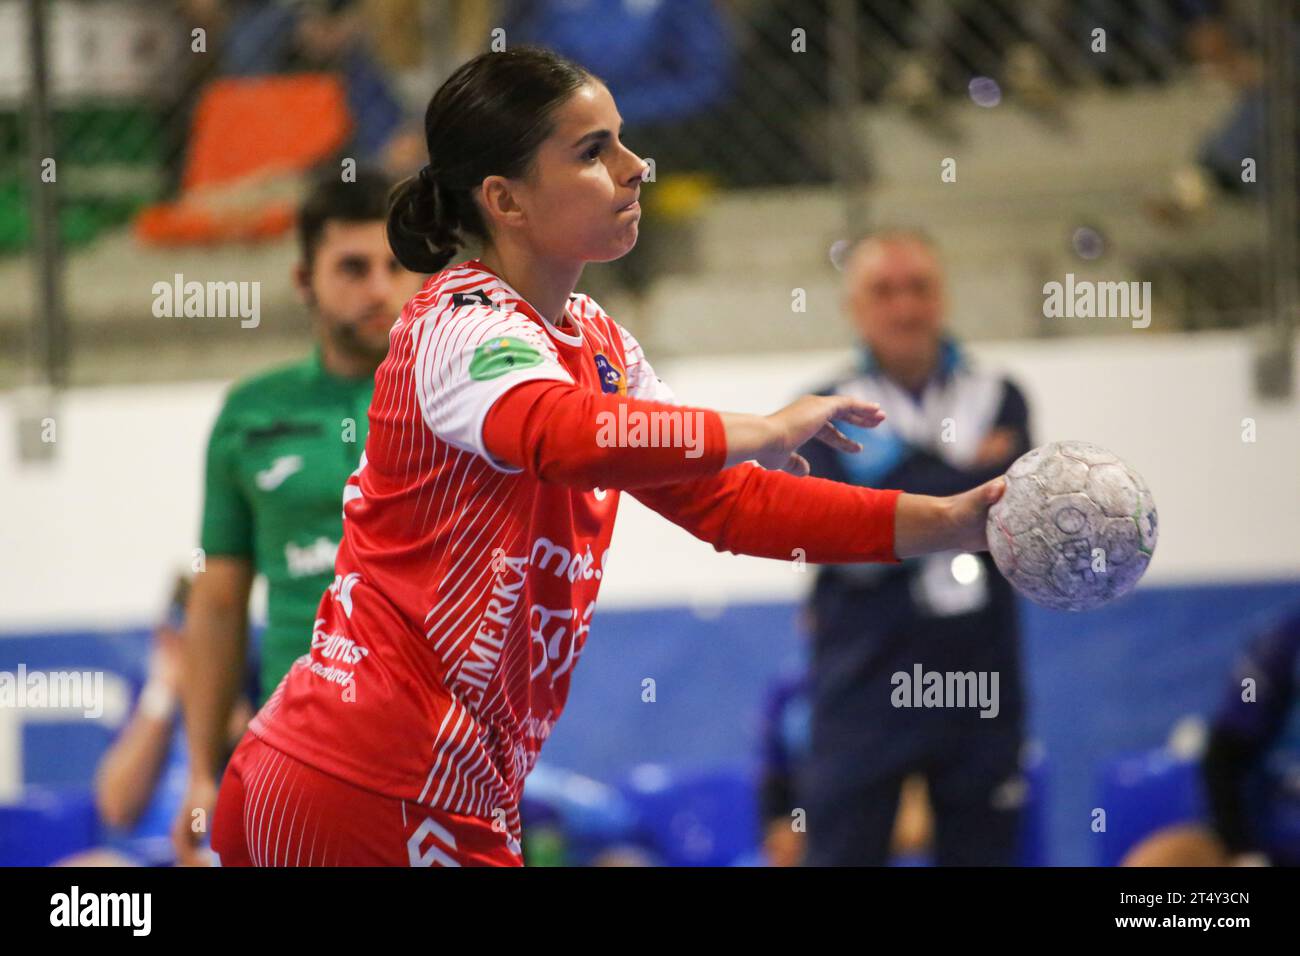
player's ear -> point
(498, 197)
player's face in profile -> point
(357, 288)
(582, 179)
(895, 296)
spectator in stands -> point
(266, 37)
(141, 777)
(191, 74)
(663, 62)
(1251, 767)
(1219, 46)
(950, 428)
(669, 66)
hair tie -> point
(428, 177)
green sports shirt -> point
(280, 452)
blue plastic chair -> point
(592, 816)
(46, 826)
(696, 818)
(1145, 792)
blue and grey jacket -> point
(944, 612)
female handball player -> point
(507, 418)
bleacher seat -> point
(1145, 792)
(46, 826)
(247, 132)
(696, 818)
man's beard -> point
(349, 339)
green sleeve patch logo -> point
(498, 356)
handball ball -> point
(1076, 527)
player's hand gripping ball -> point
(1076, 527)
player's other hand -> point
(811, 417)
(190, 828)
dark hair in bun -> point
(487, 119)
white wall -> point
(91, 538)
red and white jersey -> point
(464, 590)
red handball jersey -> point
(441, 656)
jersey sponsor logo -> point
(335, 675)
(539, 728)
(558, 632)
(560, 643)
(474, 671)
(612, 379)
(315, 558)
(494, 358)
(563, 564)
(274, 476)
(336, 647)
(342, 590)
(523, 757)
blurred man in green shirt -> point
(280, 452)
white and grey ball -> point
(1076, 527)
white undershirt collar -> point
(569, 338)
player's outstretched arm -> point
(550, 430)
(924, 524)
(769, 514)
(571, 436)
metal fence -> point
(103, 105)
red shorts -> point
(275, 810)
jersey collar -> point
(567, 337)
